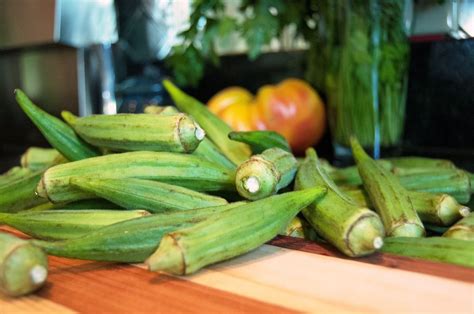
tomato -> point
(292, 108)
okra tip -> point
(41, 190)
(405, 229)
(256, 179)
(366, 235)
(464, 211)
(38, 274)
(449, 210)
(168, 257)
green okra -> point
(59, 135)
(232, 233)
(353, 229)
(439, 249)
(295, 228)
(59, 224)
(261, 140)
(153, 196)
(206, 149)
(215, 128)
(23, 267)
(454, 182)
(37, 158)
(95, 203)
(20, 193)
(138, 132)
(350, 175)
(265, 174)
(463, 229)
(14, 174)
(420, 162)
(185, 170)
(434, 208)
(389, 198)
(130, 241)
(164, 110)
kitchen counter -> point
(286, 275)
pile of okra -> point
(176, 189)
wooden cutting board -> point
(286, 275)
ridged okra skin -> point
(13, 174)
(206, 149)
(454, 182)
(130, 241)
(66, 224)
(59, 135)
(350, 175)
(20, 194)
(153, 196)
(185, 170)
(436, 209)
(134, 132)
(259, 141)
(420, 162)
(353, 229)
(265, 174)
(389, 198)
(23, 267)
(234, 232)
(463, 229)
(216, 129)
(37, 158)
(439, 249)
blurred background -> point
(398, 73)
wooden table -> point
(286, 275)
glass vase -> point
(366, 55)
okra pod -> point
(265, 174)
(354, 230)
(37, 158)
(215, 128)
(150, 195)
(294, 228)
(350, 175)
(389, 198)
(439, 249)
(163, 110)
(82, 204)
(261, 140)
(20, 193)
(185, 170)
(14, 174)
(23, 267)
(130, 241)
(135, 132)
(206, 148)
(58, 224)
(463, 229)
(59, 135)
(230, 234)
(420, 162)
(454, 182)
(437, 209)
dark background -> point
(440, 101)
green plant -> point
(260, 22)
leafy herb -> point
(262, 21)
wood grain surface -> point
(382, 259)
(291, 275)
